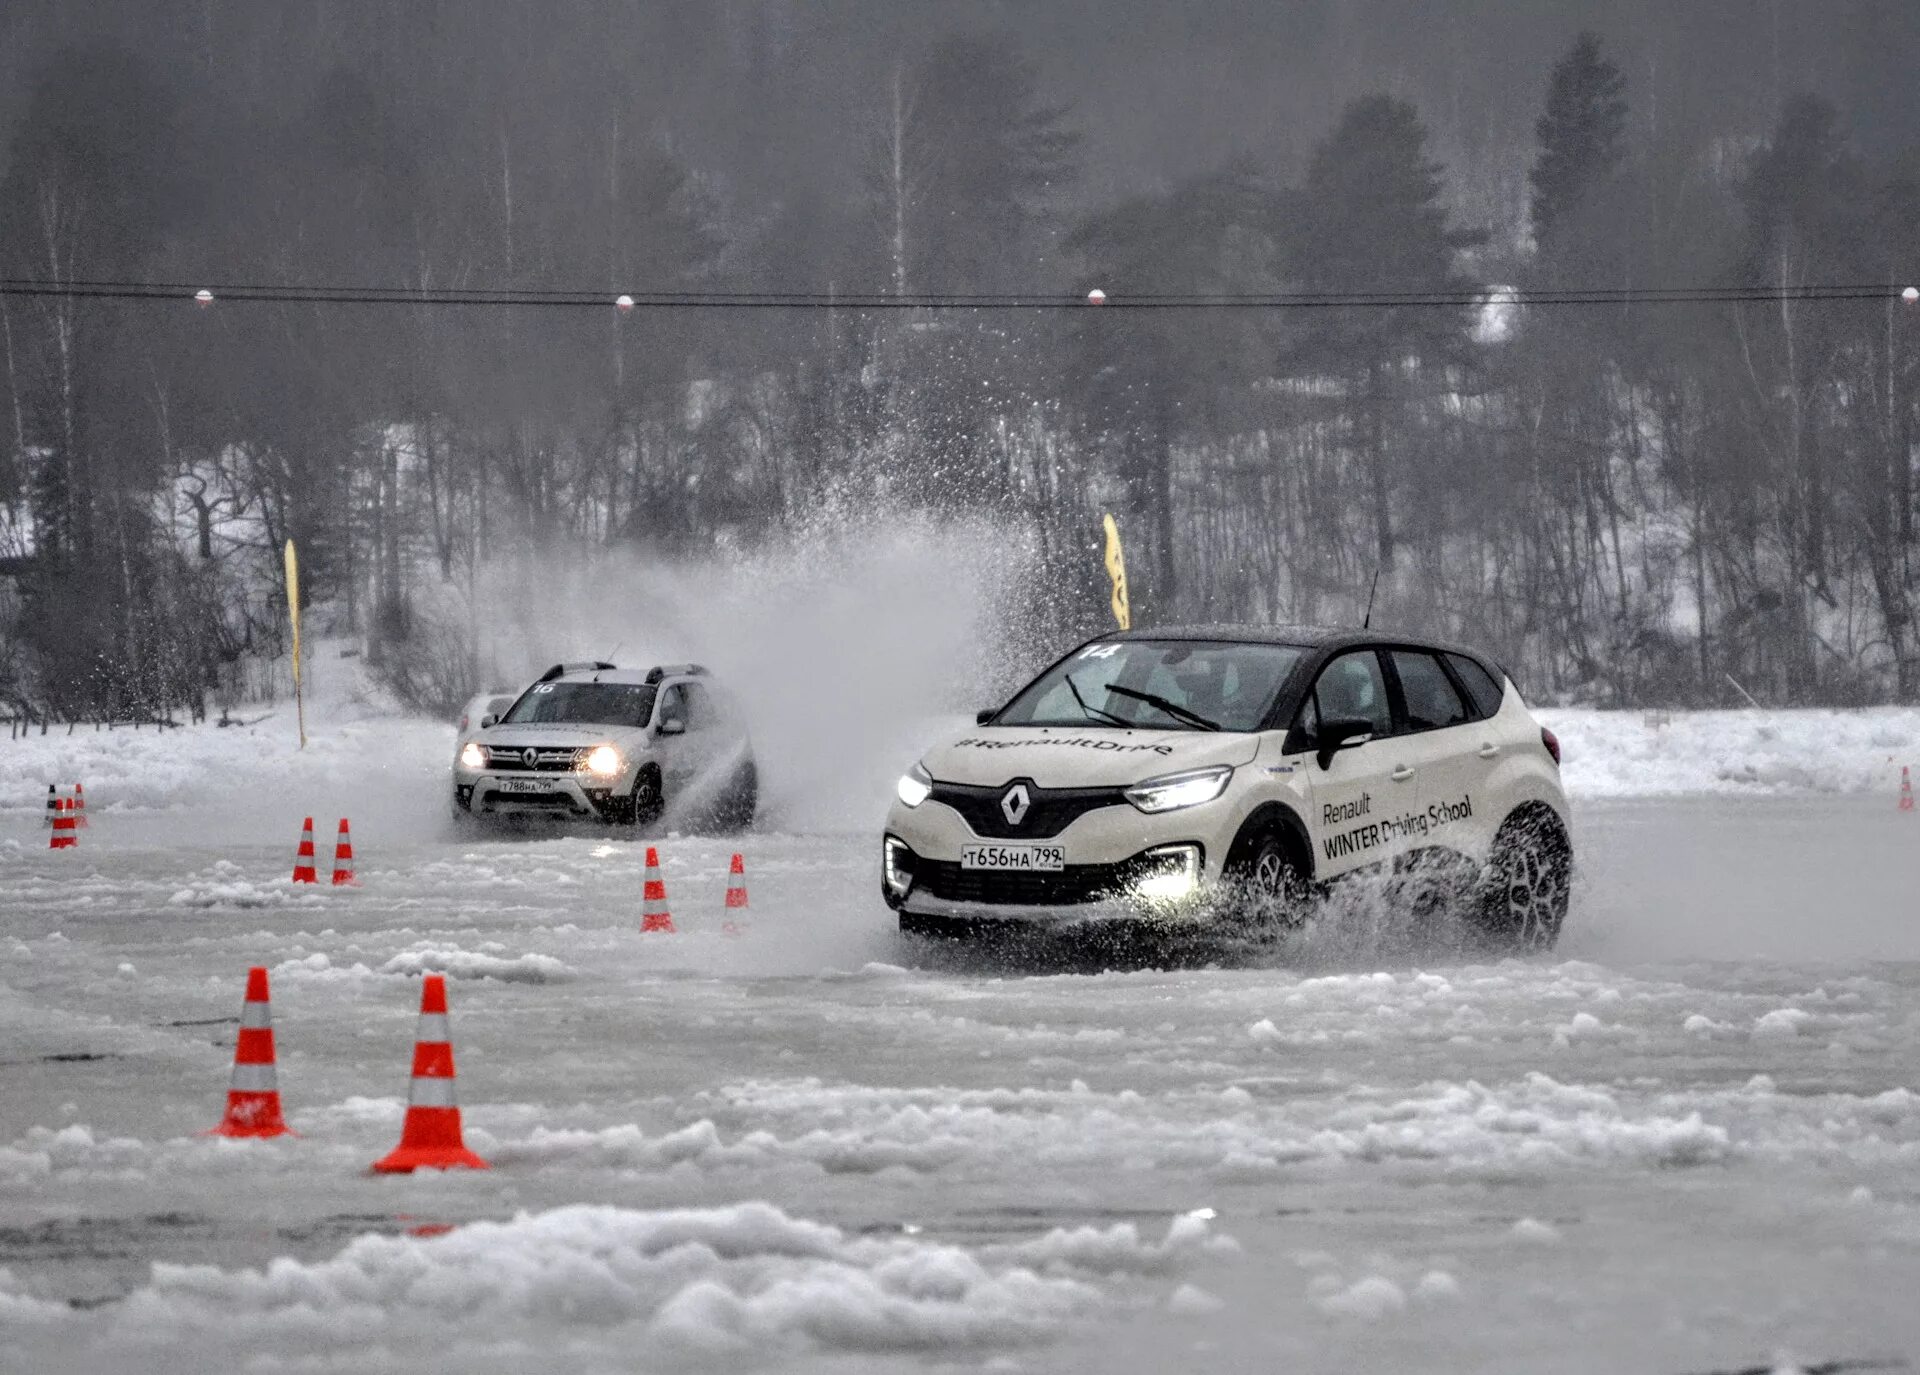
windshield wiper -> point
(1093, 713)
(1173, 709)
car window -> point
(583, 704)
(699, 706)
(1351, 689)
(1230, 685)
(673, 703)
(1431, 702)
(1482, 687)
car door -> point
(705, 739)
(1353, 795)
(1434, 756)
(674, 739)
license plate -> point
(522, 785)
(1041, 859)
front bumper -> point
(560, 796)
(1160, 882)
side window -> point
(1351, 689)
(1483, 687)
(673, 702)
(699, 708)
(1432, 703)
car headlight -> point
(915, 786)
(473, 756)
(1170, 792)
(604, 761)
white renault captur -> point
(1155, 772)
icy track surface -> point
(1690, 1141)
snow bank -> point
(741, 1283)
(1638, 754)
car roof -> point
(1322, 637)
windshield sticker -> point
(1360, 839)
(1079, 742)
(1099, 652)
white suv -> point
(1145, 768)
(592, 741)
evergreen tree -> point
(1149, 380)
(1371, 218)
(1582, 139)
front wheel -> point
(1528, 883)
(1265, 885)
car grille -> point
(1052, 810)
(1077, 883)
(508, 760)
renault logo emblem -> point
(531, 758)
(1015, 803)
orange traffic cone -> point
(654, 915)
(63, 837)
(303, 862)
(253, 1095)
(431, 1137)
(736, 893)
(80, 805)
(1906, 789)
(343, 857)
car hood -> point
(558, 737)
(1073, 757)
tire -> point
(1267, 890)
(1528, 883)
(647, 802)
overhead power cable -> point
(293, 293)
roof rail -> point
(660, 671)
(582, 666)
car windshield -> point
(1157, 685)
(584, 704)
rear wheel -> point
(1529, 882)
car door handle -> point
(1488, 750)
(1401, 774)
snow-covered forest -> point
(1630, 501)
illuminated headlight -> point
(1175, 874)
(473, 756)
(896, 866)
(915, 786)
(604, 761)
(1172, 791)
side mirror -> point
(488, 720)
(984, 715)
(1335, 736)
(672, 725)
(499, 707)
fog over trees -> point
(1631, 501)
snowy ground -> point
(1688, 1142)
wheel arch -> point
(1537, 812)
(1282, 820)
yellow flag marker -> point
(293, 614)
(1117, 570)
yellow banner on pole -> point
(293, 615)
(1117, 570)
